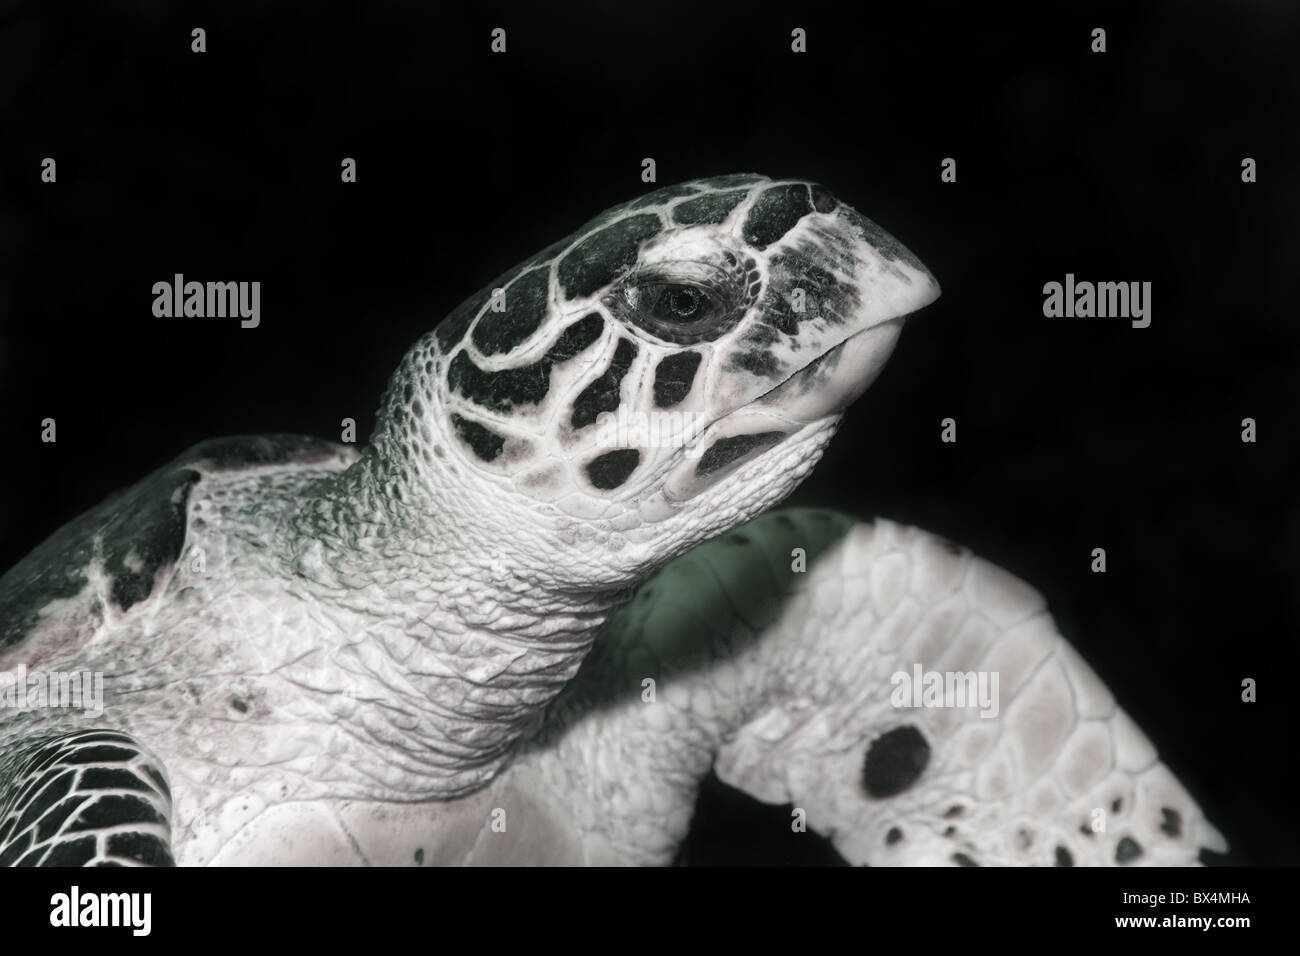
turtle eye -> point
(674, 311)
(680, 304)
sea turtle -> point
(312, 654)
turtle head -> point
(667, 372)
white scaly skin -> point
(783, 697)
(392, 624)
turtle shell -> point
(122, 552)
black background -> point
(1073, 434)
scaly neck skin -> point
(449, 645)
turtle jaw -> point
(832, 382)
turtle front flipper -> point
(908, 700)
(86, 798)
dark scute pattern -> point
(895, 760)
(103, 753)
(50, 823)
(674, 376)
(883, 242)
(528, 384)
(500, 391)
(73, 853)
(484, 442)
(709, 208)
(775, 213)
(726, 450)
(577, 338)
(12, 853)
(34, 857)
(159, 780)
(525, 307)
(111, 810)
(109, 778)
(453, 328)
(822, 199)
(613, 468)
(824, 295)
(141, 847)
(600, 258)
(602, 394)
(49, 795)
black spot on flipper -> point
(1086, 829)
(893, 836)
(775, 213)
(822, 199)
(601, 257)
(895, 760)
(724, 451)
(961, 859)
(950, 831)
(1172, 824)
(71, 853)
(954, 811)
(141, 847)
(602, 393)
(419, 856)
(484, 442)
(710, 208)
(1116, 804)
(239, 705)
(611, 469)
(674, 376)
(1063, 857)
(525, 306)
(1127, 850)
